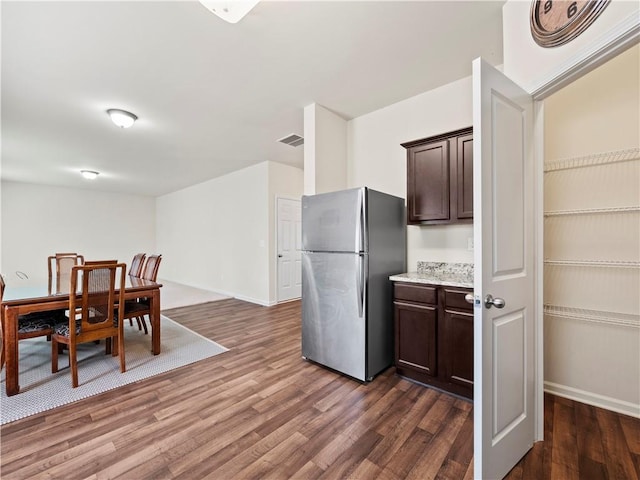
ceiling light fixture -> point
(230, 11)
(89, 174)
(122, 118)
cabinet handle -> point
(469, 298)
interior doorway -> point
(289, 244)
(592, 237)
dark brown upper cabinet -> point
(440, 179)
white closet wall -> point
(592, 237)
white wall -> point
(594, 362)
(325, 150)
(39, 220)
(376, 160)
(532, 66)
(218, 235)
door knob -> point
(469, 298)
(489, 302)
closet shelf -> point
(592, 211)
(593, 263)
(596, 316)
(592, 160)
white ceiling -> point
(211, 97)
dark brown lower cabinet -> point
(412, 322)
(434, 336)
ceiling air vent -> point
(292, 139)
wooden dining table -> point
(20, 300)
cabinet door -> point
(416, 329)
(459, 348)
(464, 175)
(428, 182)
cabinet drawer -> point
(415, 293)
(454, 298)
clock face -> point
(556, 22)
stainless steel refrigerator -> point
(352, 240)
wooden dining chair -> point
(59, 266)
(32, 325)
(135, 269)
(140, 307)
(94, 315)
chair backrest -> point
(135, 270)
(100, 262)
(97, 301)
(1, 288)
(61, 264)
(150, 271)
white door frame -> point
(625, 35)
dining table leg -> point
(10, 339)
(155, 321)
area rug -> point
(40, 390)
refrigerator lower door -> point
(333, 311)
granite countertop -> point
(439, 273)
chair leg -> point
(54, 355)
(108, 347)
(73, 362)
(121, 354)
(116, 347)
(144, 324)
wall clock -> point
(556, 22)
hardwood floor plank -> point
(461, 451)
(261, 411)
(631, 429)
(589, 442)
(432, 422)
(451, 470)
(618, 460)
(344, 464)
(351, 434)
(549, 417)
(430, 462)
(394, 439)
(276, 458)
(564, 459)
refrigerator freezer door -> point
(333, 311)
(334, 222)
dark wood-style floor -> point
(260, 411)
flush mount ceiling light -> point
(121, 118)
(89, 174)
(230, 11)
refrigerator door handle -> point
(360, 282)
(361, 227)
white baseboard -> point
(595, 399)
(253, 300)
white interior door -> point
(504, 387)
(289, 249)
